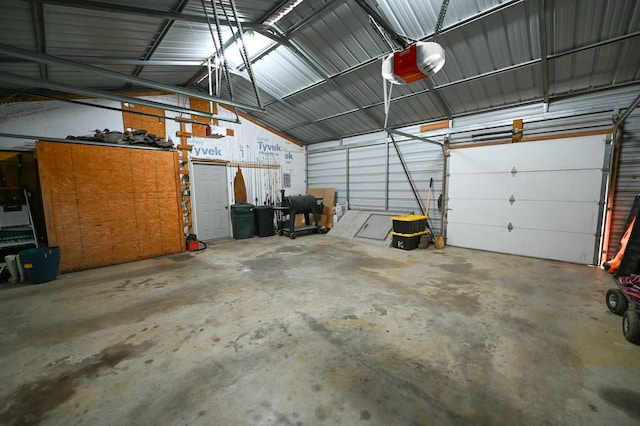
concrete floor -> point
(318, 330)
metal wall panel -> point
(587, 112)
(628, 182)
(322, 146)
(367, 177)
(424, 162)
(328, 170)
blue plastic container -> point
(41, 265)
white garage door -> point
(539, 199)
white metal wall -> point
(370, 176)
(367, 177)
(628, 182)
(329, 161)
(328, 170)
(424, 162)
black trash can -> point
(264, 221)
(242, 220)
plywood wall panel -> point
(197, 104)
(103, 205)
(155, 125)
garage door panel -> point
(567, 247)
(581, 217)
(565, 154)
(549, 191)
(576, 185)
(544, 185)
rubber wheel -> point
(616, 302)
(281, 233)
(292, 236)
(631, 326)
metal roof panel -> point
(417, 18)
(576, 23)
(311, 133)
(282, 73)
(521, 85)
(337, 45)
(321, 101)
(16, 27)
(617, 63)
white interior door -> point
(539, 199)
(211, 214)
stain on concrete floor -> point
(318, 331)
(32, 401)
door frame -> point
(193, 190)
(603, 189)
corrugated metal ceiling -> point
(318, 72)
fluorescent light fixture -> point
(282, 12)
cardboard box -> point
(329, 197)
(316, 192)
(327, 216)
(327, 194)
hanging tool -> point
(426, 209)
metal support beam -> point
(542, 23)
(438, 98)
(273, 34)
(48, 59)
(620, 121)
(406, 172)
(348, 150)
(499, 71)
(112, 61)
(420, 138)
(386, 177)
(179, 7)
(344, 92)
(129, 10)
(108, 108)
(39, 32)
(444, 165)
(595, 45)
(16, 79)
(400, 41)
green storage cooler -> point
(243, 220)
